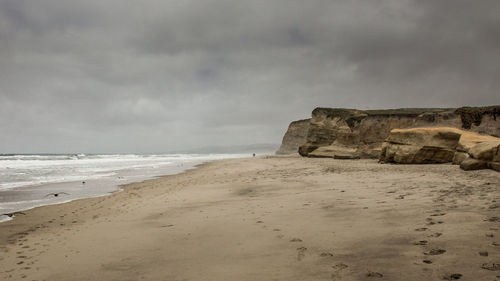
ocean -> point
(31, 180)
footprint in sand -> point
(483, 254)
(421, 243)
(432, 222)
(325, 254)
(373, 274)
(438, 215)
(491, 266)
(421, 229)
(340, 266)
(454, 276)
(435, 252)
(295, 240)
(494, 206)
(427, 261)
(437, 234)
(301, 253)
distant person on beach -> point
(254, 155)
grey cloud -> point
(144, 76)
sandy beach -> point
(270, 218)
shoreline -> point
(94, 188)
(268, 218)
(119, 188)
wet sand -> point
(277, 218)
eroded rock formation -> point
(420, 145)
(351, 133)
(468, 149)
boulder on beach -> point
(470, 139)
(336, 151)
(473, 164)
(420, 145)
(470, 150)
(485, 151)
(459, 157)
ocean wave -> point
(17, 170)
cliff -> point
(295, 136)
(352, 133)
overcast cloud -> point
(161, 75)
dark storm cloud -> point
(117, 76)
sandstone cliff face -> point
(351, 133)
(295, 136)
(468, 149)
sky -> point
(150, 76)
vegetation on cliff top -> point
(347, 113)
(474, 115)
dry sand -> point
(278, 218)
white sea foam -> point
(27, 170)
(26, 181)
